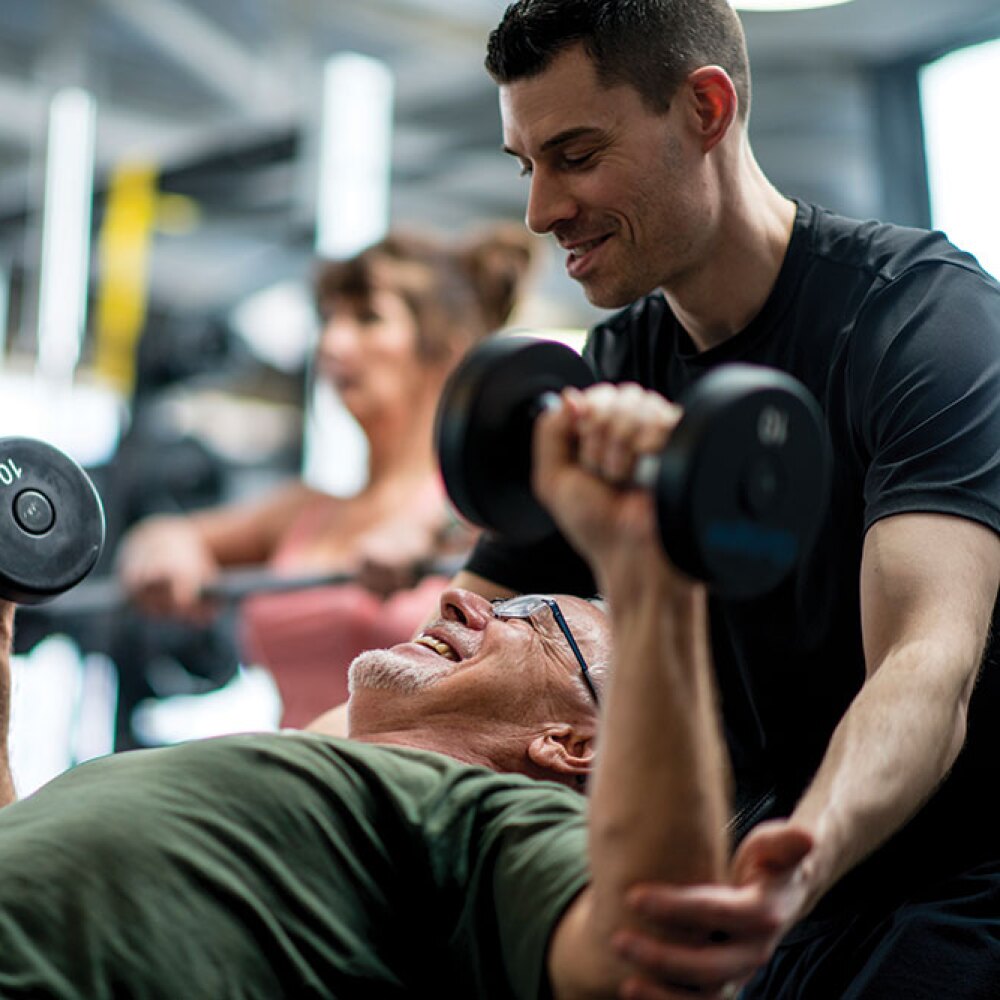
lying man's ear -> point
(564, 753)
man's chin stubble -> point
(384, 670)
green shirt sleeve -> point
(284, 866)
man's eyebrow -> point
(560, 138)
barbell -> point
(51, 521)
(106, 595)
(740, 487)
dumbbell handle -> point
(647, 467)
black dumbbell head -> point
(743, 484)
(483, 430)
(51, 521)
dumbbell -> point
(740, 487)
(51, 521)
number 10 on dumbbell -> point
(740, 487)
(51, 521)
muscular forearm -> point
(659, 796)
(928, 588)
(661, 784)
(6, 639)
(891, 750)
(245, 533)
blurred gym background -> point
(170, 170)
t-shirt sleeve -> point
(550, 566)
(518, 859)
(540, 869)
(927, 385)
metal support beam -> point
(207, 52)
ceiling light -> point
(782, 5)
(355, 155)
(69, 192)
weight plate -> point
(744, 480)
(483, 430)
(51, 521)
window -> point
(959, 95)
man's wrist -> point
(630, 578)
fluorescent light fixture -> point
(355, 155)
(69, 187)
(779, 5)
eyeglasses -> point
(528, 605)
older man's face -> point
(470, 663)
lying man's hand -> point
(584, 455)
(711, 937)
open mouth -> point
(584, 248)
(437, 646)
(581, 255)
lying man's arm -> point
(6, 637)
(659, 798)
(928, 585)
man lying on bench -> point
(420, 857)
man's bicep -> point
(928, 578)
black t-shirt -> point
(897, 335)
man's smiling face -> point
(615, 182)
(470, 665)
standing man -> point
(862, 693)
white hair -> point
(382, 669)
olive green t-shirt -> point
(285, 865)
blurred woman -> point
(396, 319)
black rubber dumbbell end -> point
(51, 521)
(743, 483)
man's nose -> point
(549, 203)
(467, 608)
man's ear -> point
(715, 103)
(564, 753)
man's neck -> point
(416, 739)
(499, 747)
(401, 444)
(720, 299)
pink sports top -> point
(308, 638)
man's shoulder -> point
(393, 762)
(881, 250)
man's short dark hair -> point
(651, 45)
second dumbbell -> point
(51, 521)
